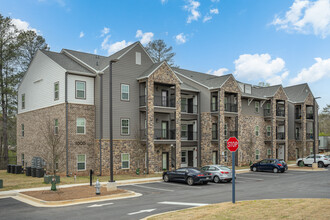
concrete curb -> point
(42, 203)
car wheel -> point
(190, 181)
(216, 179)
(166, 178)
(254, 169)
(301, 163)
(320, 164)
(275, 170)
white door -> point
(281, 152)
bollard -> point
(91, 177)
(98, 187)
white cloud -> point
(257, 66)
(95, 51)
(305, 16)
(144, 37)
(218, 72)
(23, 25)
(112, 48)
(278, 79)
(105, 44)
(163, 1)
(208, 16)
(81, 34)
(214, 11)
(104, 31)
(180, 38)
(215, 0)
(317, 71)
(192, 8)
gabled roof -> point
(153, 68)
(186, 87)
(64, 61)
(268, 91)
(297, 93)
(207, 80)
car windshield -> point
(195, 170)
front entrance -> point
(189, 157)
(165, 161)
(280, 152)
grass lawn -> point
(20, 181)
(257, 209)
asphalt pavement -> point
(161, 197)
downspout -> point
(66, 125)
(101, 120)
(199, 158)
(147, 113)
(218, 132)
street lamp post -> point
(314, 132)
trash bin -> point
(12, 168)
(1, 184)
(40, 172)
(18, 169)
(28, 171)
(9, 168)
(33, 172)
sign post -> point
(232, 145)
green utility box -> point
(48, 179)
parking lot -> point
(158, 197)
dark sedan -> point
(273, 165)
(189, 175)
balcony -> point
(192, 109)
(309, 115)
(280, 112)
(280, 136)
(298, 137)
(164, 134)
(309, 136)
(189, 135)
(214, 107)
(297, 115)
(267, 113)
(142, 100)
(164, 101)
(231, 134)
(230, 107)
(214, 135)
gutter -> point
(66, 124)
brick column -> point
(303, 128)
(178, 125)
(150, 126)
(273, 104)
(286, 156)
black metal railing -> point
(185, 108)
(267, 112)
(214, 107)
(143, 100)
(189, 135)
(297, 115)
(309, 115)
(164, 134)
(230, 107)
(280, 112)
(214, 135)
(309, 136)
(164, 101)
(280, 135)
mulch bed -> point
(77, 192)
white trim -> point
(76, 88)
(79, 61)
(121, 161)
(81, 162)
(121, 92)
(138, 59)
(73, 72)
(58, 91)
(249, 101)
(268, 126)
(262, 102)
(80, 126)
(121, 126)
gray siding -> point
(250, 109)
(124, 71)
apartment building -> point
(163, 117)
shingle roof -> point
(65, 62)
(150, 70)
(185, 86)
(210, 81)
(297, 93)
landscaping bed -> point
(71, 193)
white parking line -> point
(148, 187)
(248, 178)
(183, 203)
(191, 187)
(262, 174)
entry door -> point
(215, 157)
(164, 129)
(164, 97)
(281, 152)
(165, 161)
(190, 158)
(190, 132)
(190, 106)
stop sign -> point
(232, 144)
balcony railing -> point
(230, 107)
(164, 134)
(267, 112)
(298, 115)
(214, 135)
(297, 136)
(214, 107)
(231, 134)
(280, 136)
(185, 108)
(309, 116)
(309, 136)
(280, 112)
(189, 135)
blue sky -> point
(275, 41)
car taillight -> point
(325, 159)
(279, 164)
(200, 175)
(209, 174)
(223, 172)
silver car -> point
(219, 173)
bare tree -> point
(53, 143)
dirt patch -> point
(78, 192)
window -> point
(214, 157)
(125, 126)
(125, 161)
(183, 105)
(257, 130)
(23, 101)
(214, 106)
(269, 152)
(56, 91)
(257, 154)
(124, 92)
(81, 126)
(257, 106)
(269, 131)
(214, 131)
(22, 130)
(184, 131)
(225, 156)
(81, 162)
(138, 58)
(56, 126)
(184, 157)
(248, 89)
(80, 90)
(225, 129)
